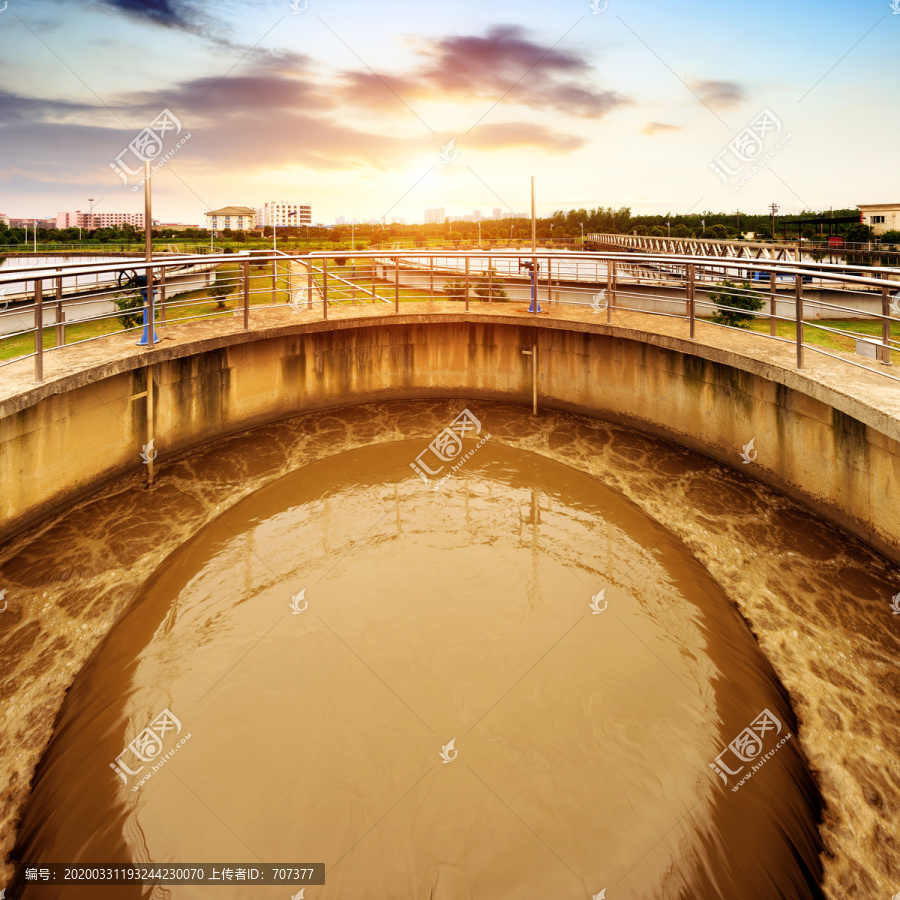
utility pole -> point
(774, 208)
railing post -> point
(162, 295)
(275, 283)
(610, 288)
(151, 308)
(490, 295)
(60, 315)
(246, 295)
(309, 285)
(885, 326)
(467, 284)
(396, 284)
(773, 307)
(431, 274)
(38, 330)
(692, 287)
(798, 304)
(324, 287)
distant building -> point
(476, 215)
(498, 213)
(282, 214)
(340, 220)
(79, 219)
(28, 223)
(881, 217)
(4, 218)
(174, 226)
(435, 216)
(237, 218)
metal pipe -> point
(60, 315)
(885, 326)
(610, 289)
(38, 330)
(772, 304)
(692, 297)
(275, 283)
(246, 295)
(325, 287)
(397, 284)
(467, 284)
(798, 304)
(150, 429)
(431, 277)
(162, 295)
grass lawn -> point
(826, 340)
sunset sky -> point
(347, 104)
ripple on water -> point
(584, 741)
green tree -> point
(717, 232)
(220, 289)
(682, 231)
(658, 231)
(728, 294)
(455, 289)
(859, 234)
(890, 237)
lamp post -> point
(582, 232)
(91, 215)
(34, 229)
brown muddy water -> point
(512, 684)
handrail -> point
(660, 277)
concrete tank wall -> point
(831, 452)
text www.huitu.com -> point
(163, 760)
(755, 768)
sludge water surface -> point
(323, 642)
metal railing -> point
(45, 309)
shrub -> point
(729, 294)
(455, 289)
(491, 288)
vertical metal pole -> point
(798, 303)
(534, 375)
(534, 262)
(246, 295)
(162, 295)
(610, 289)
(275, 283)
(324, 288)
(60, 315)
(773, 304)
(396, 284)
(692, 296)
(467, 284)
(38, 330)
(309, 285)
(490, 295)
(150, 421)
(431, 276)
(885, 326)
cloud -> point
(162, 12)
(720, 93)
(656, 127)
(522, 134)
(503, 65)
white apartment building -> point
(79, 219)
(237, 218)
(434, 216)
(283, 215)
